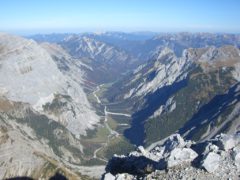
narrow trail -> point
(95, 95)
(112, 132)
(95, 154)
(119, 114)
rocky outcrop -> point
(176, 158)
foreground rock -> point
(218, 158)
(211, 162)
(179, 156)
(227, 142)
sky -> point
(59, 16)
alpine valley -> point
(118, 105)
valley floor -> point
(110, 133)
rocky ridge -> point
(167, 68)
(175, 158)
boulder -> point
(211, 162)
(124, 176)
(227, 142)
(142, 150)
(180, 156)
(210, 148)
(109, 176)
(158, 152)
(174, 141)
(236, 156)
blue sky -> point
(47, 16)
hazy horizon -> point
(46, 17)
(49, 32)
